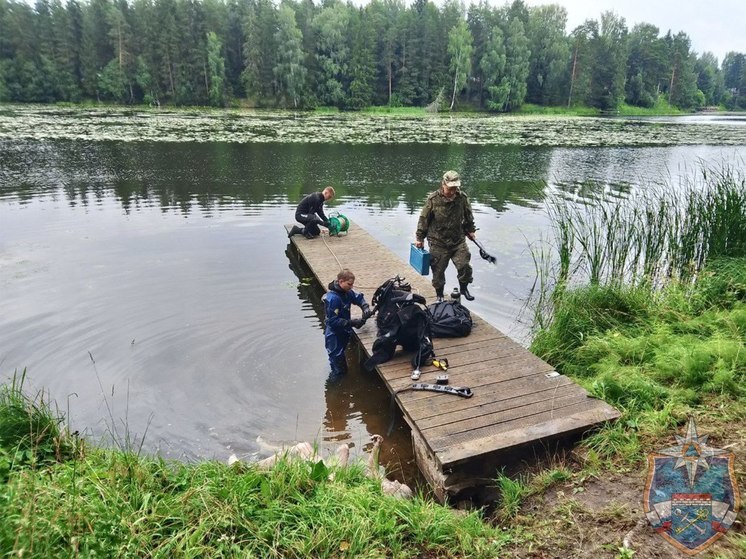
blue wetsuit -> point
(337, 304)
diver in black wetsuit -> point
(310, 212)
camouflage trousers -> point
(440, 256)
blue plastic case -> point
(419, 259)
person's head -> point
(328, 193)
(450, 184)
(346, 279)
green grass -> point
(655, 355)
(404, 111)
(113, 503)
(661, 108)
(30, 431)
(531, 109)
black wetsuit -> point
(310, 212)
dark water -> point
(149, 288)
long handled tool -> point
(483, 253)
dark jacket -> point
(337, 303)
(445, 222)
(310, 205)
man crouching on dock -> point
(310, 212)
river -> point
(145, 278)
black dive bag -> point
(450, 320)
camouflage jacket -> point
(445, 222)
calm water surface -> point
(148, 285)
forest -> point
(299, 54)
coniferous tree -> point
(682, 89)
(581, 62)
(647, 65)
(518, 57)
(45, 76)
(549, 54)
(97, 47)
(332, 53)
(215, 51)
(492, 65)
(432, 65)
(305, 11)
(478, 20)
(734, 75)
(194, 82)
(259, 50)
(289, 70)
(709, 78)
(233, 44)
(147, 62)
(362, 59)
(75, 45)
(118, 74)
(167, 46)
(610, 63)
(386, 14)
(406, 88)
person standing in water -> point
(446, 220)
(339, 324)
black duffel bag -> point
(450, 320)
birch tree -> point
(459, 51)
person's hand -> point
(472, 236)
(419, 244)
(357, 322)
(367, 313)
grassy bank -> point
(661, 108)
(656, 356)
(59, 498)
(643, 301)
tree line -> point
(299, 54)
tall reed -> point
(658, 234)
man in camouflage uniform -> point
(446, 221)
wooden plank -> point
(460, 408)
(542, 427)
(490, 433)
(522, 407)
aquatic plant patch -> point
(209, 125)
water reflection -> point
(214, 177)
(358, 404)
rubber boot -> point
(295, 230)
(465, 291)
(439, 295)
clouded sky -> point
(717, 26)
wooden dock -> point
(519, 401)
